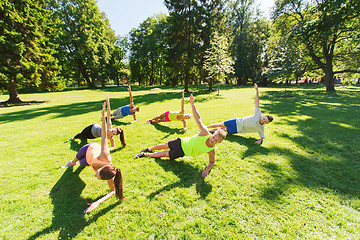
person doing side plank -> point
(98, 158)
(254, 123)
(173, 116)
(203, 142)
(94, 131)
(126, 110)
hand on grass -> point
(258, 141)
(91, 207)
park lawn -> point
(302, 182)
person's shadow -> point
(188, 176)
(69, 206)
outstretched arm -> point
(184, 123)
(104, 146)
(182, 103)
(97, 203)
(203, 129)
(131, 97)
(256, 95)
(109, 124)
(210, 165)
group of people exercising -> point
(98, 155)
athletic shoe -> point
(69, 164)
(145, 150)
(140, 155)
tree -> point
(250, 33)
(86, 39)
(319, 28)
(218, 63)
(26, 52)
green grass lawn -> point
(302, 182)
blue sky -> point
(125, 15)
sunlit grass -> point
(302, 182)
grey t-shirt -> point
(250, 124)
(96, 130)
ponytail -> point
(122, 136)
(118, 182)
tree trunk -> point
(13, 95)
(329, 80)
(84, 73)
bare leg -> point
(159, 147)
(158, 154)
(75, 160)
(217, 125)
(160, 118)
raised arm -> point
(256, 95)
(131, 97)
(104, 146)
(109, 124)
(203, 129)
(182, 103)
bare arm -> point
(203, 129)
(134, 116)
(109, 125)
(256, 95)
(105, 153)
(210, 165)
(182, 103)
(184, 123)
(106, 197)
(112, 142)
(131, 97)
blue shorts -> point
(231, 126)
(81, 155)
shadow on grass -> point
(69, 206)
(168, 130)
(75, 145)
(328, 134)
(249, 142)
(76, 109)
(188, 176)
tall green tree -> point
(218, 62)
(86, 39)
(148, 50)
(26, 52)
(250, 34)
(320, 28)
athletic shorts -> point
(231, 126)
(175, 149)
(167, 116)
(117, 113)
(81, 155)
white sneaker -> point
(69, 164)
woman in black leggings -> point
(94, 131)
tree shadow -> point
(249, 142)
(76, 109)
(188, 176)
(327, 134)
(168, 130)
(68, 215)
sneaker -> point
(145, 150)
(140, 155)
(69, 164)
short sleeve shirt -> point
(251, 124)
